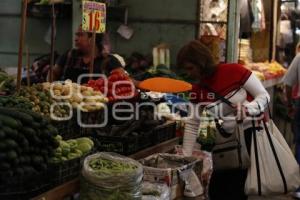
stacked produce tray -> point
(65, 171)
(26, 187)
(130, 144)
(68, 129)
(165, 132)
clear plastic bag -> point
(121, 178)
(155, 191)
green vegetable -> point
(84, 148)
(9, 121)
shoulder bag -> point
(230, 151)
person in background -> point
(291, 81)
(76, 62)
(239, 86)
(137, 66)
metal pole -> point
(53, 31)
(233, 30)
(28, 66)
(93, 53)
(21, 42)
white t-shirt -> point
(292, 76)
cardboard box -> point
(166, 168)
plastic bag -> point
(207, 169)
(109, 176)
(155, 191)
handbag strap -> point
(256, 158)
(276, 158)
(217, 95)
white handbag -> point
(273, 169)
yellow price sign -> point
(93, 16)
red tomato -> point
(110, 84)
(101, 89)
(113, 78)
(100, 82)
(91, 82)
(110, 99)
(118, 91)
(117, 71)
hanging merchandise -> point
(214, 43)
(259, 23)
(124, 30)
(246, 19)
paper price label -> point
(93, 16)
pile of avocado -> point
(27, 142)
(71, 149)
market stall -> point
(55, 135)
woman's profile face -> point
(192, 70)
(82, 41)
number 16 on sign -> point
(93, 17)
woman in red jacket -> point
(240, 87)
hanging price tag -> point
(93, 16)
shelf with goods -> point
(72, 187)
(213, 23)
(76, 141)
(270, 73)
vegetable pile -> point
(71, 149)
(110, 167)
(118, 86)
(133, 127)
(111, 176)
(76, 95)
(26, 142)
(42, 101)
(7, 83)
(16, 102)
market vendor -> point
(137, 66)
(76, 62)
(216, 84)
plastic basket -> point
(165, 132)
(64, 172)
(117, 144)
(67, 171)
(68, 129)
(25, 187)
(88, 121)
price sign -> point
(93, 16)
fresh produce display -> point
(16, 102)
(42, 101)
(124, 90)
(110, 167)
(85, 98)
(267, 70)
(71, 149)
(26, 142)
(111, 176)
(207, 132)
(133, 127)
(7, 84)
